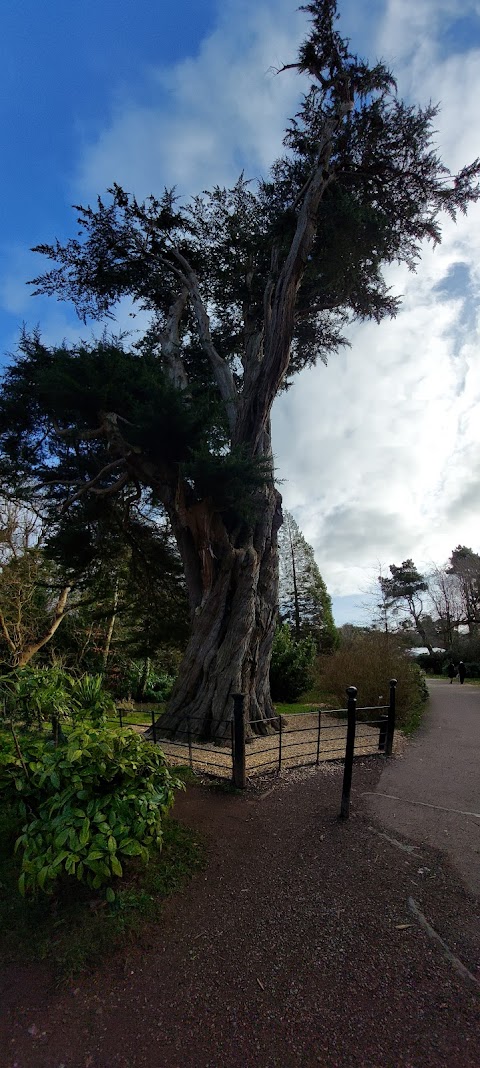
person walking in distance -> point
(462, 671)
(451, 671)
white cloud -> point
(216, 112)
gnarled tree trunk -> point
(232, 631)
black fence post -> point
(120, 716)
(383, 733)
(154, 727)
(239, 769)
(319, 733)
(280, 746)
(189, 729)
(349, 750)
(391, 718)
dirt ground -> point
(295, 947)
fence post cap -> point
(352, 691)
(393, 682)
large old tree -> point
(244, 287)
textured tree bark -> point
(232, 634)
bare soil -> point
(294, 948)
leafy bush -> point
(90, 700)
(34, 695)
(31, 695)
(86, 805)
(291, 666)
(433, 663)
(154, 686)
(368, 661)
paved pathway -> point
(441, 768)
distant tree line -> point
(439, 609)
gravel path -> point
(294, 948)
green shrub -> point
(32, 696)
(87, 806)
(433, 663)
(90, 700)
(152, 686)
(291, 666)
(368, 661)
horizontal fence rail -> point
(302, 739)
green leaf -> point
(84, 832)
(110, 894)
(42, 876)
(94, 854)
(116, 866)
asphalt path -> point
(432, 794)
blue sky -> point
(379, 453)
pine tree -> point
(303, 599)
(404, 590)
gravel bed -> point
(299, 747)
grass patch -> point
(139, 715)
(77, 927)
(295, 709)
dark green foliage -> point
(472, 668)
(33, 696)
(144, 685)
(66, 392)
(432, 663)
(75, 418)
(464, 564)
(291, 667)
(87, 805)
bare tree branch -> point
(6, 634)
(87, 486)
(34, 647)
(221, 370)
(170, 342)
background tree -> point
(132, 603)
(291, 668)
(244, 287)
(447, 604)
(304, 602)
(464, 565)
(33, 593)
(404, 589)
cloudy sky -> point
(379, 453)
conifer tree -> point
(304, 602)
